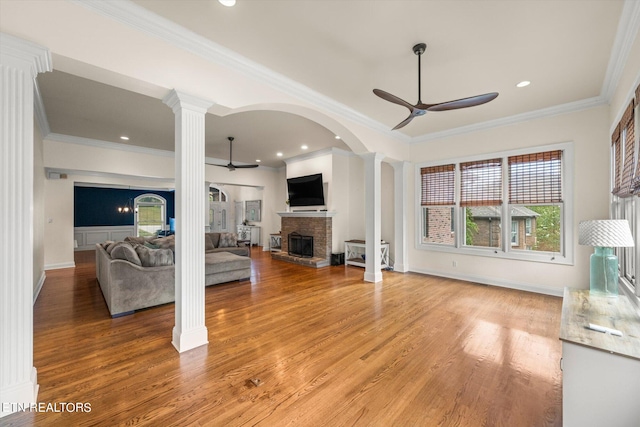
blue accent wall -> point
(94, 206)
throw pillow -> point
(123, 250)
(154, 257)
(164, 242)
(228, 240)
(215, 239)
(151, 245)
(110, 247)
(208, 244)
(107, 243)
(133, 239)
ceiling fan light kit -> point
(230, 165)
(420, 109)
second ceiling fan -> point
(230, 165)
(421, 109)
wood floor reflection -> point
(328, 349)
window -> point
(480, 199)
(464, 204)
(216, 195)
(437, 198)
(625, 184)
(535, 192)
(150, 214)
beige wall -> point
(589, 132)
(387, 216)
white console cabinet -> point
(355, 253)
(249, 232)
(600, 372)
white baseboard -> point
(38, 288)
(493, 282)
(59, 266)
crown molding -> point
(29, 55)
(556, 110)
(628, 27)
(141, 19)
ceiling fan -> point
(421, 109)
(230, 165)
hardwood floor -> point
(329, 348)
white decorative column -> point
(400, 180)
(189, 331)
(373, 213)
(20, 62)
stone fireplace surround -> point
(309, 223)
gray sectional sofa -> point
(135, 275)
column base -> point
(16, 397)
(373, 277)
(187, 340)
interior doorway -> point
(218, 210)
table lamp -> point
(605, 235)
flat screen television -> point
(306, 190)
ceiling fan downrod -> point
(419, 50)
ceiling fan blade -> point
(404, 122)
(464, 102)
(392, 98)
(245, 166)
(215, 164)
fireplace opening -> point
(300, 245)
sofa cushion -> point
(208, 244)
(228, 240)
(220, 262)
(154, 257)
(123, 250)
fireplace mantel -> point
(308, 214)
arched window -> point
(150, 214)
(217, 195)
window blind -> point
(438, 185)
(617, 159)
(481, 183)
(627, 133)
(536, 178)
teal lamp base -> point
(604, 272)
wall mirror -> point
(252, 210)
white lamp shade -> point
(608, 233)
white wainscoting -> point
(87, 237)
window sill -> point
(545, 257)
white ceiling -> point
(344, 49)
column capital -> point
(24, 54)
(177, 100)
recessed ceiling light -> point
(523, 83)
(258, 160)
(279, 154)
(304, 147)
(124, 138)
(227, 3)
(337, 136)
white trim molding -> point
(556, 292)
